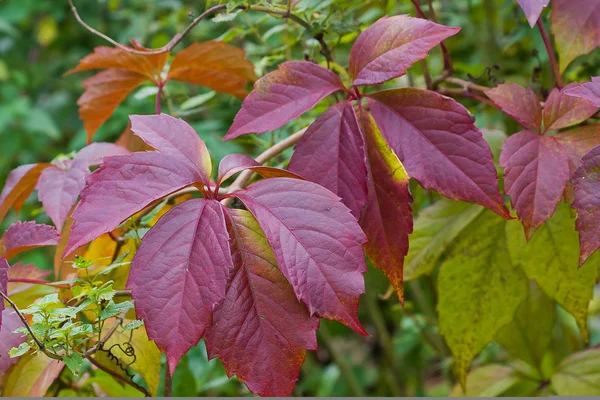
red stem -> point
(158, 96)
(550, 50)
(36, 282)
(447, 59)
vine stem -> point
(118, 376)
(158, 96)
(550, 50)
(38, 282)
(168, 392)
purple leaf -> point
(93, 154)
(180, 273)
(9, 322)
(587, 203)
(520, 103)
(175, 138)
(331, 153)
(562, 110)
(123, 186)
(439, 145)
(22, 236)
(233, 163)
(58, 190)
(589, 91)
(3, 286)
(317, 244)
(533, 9)
(391, 45)
(283, 95)
(260, 327)
(536, 174)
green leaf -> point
(529, 335)
(147, 219)
(435, 229)
(551, 258)
(31, 376)
(74, 362)
(578, 374)
(133, 325)
(19, 351)
(479, 288)
(113, 309)
(488, 381)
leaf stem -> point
(550, 50)
(158, 96)
(168, 380)
(37, 282)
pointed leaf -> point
(576, 29)
(93, 153)
(480, 289)
(58, 190)
(578, 374)
(332, 154)
(260, 327)
(578, 142)
(536, 171)
(589, 91)
(109, 57)
(9, 322)
(103, 93)
(439, 145)
(551, 259)
(3, 287)
(180, 273)
(19, 184)
(562, 111)
(391, 45)
(22, 236)
(435, 230)
(317, 244)
(175, 138)
(122, 186)
(520, 103)
(32, 376)
(283, 95)
(387, 217)
(217, 65)
(529, 335)
(533, 9)
(587, 203)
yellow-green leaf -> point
(480, 289)
(32, 376)
(578, 374)
(435, 229)
(551, 258)
(488, 381)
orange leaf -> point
(104, 92)
(216, 65)
(20, 183)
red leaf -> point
(562, 110)
(109, 57)
(58, 190)
(180, 273)
(316, 242)
(231, 164)
(216, 65)
(103, 93)
(439, 145)
(9, 322)
(520, 103)
(22, 236)
(587, 204)
(577, 142)
(19, 184)
(589, 91)
(121, 187)
(391, 45)
(576, 28)
(3, 286)
(331, 153)
(175, 138)
(93, 153)
(533, 9)
(260, 331)
(283, 95)
(387, 219)
(19, 271)
(536, 173)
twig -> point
(98, 346)
(168, 392)
(118, 376)
(37, 282)
(265, 156)
(465, 84)
(559, 82)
